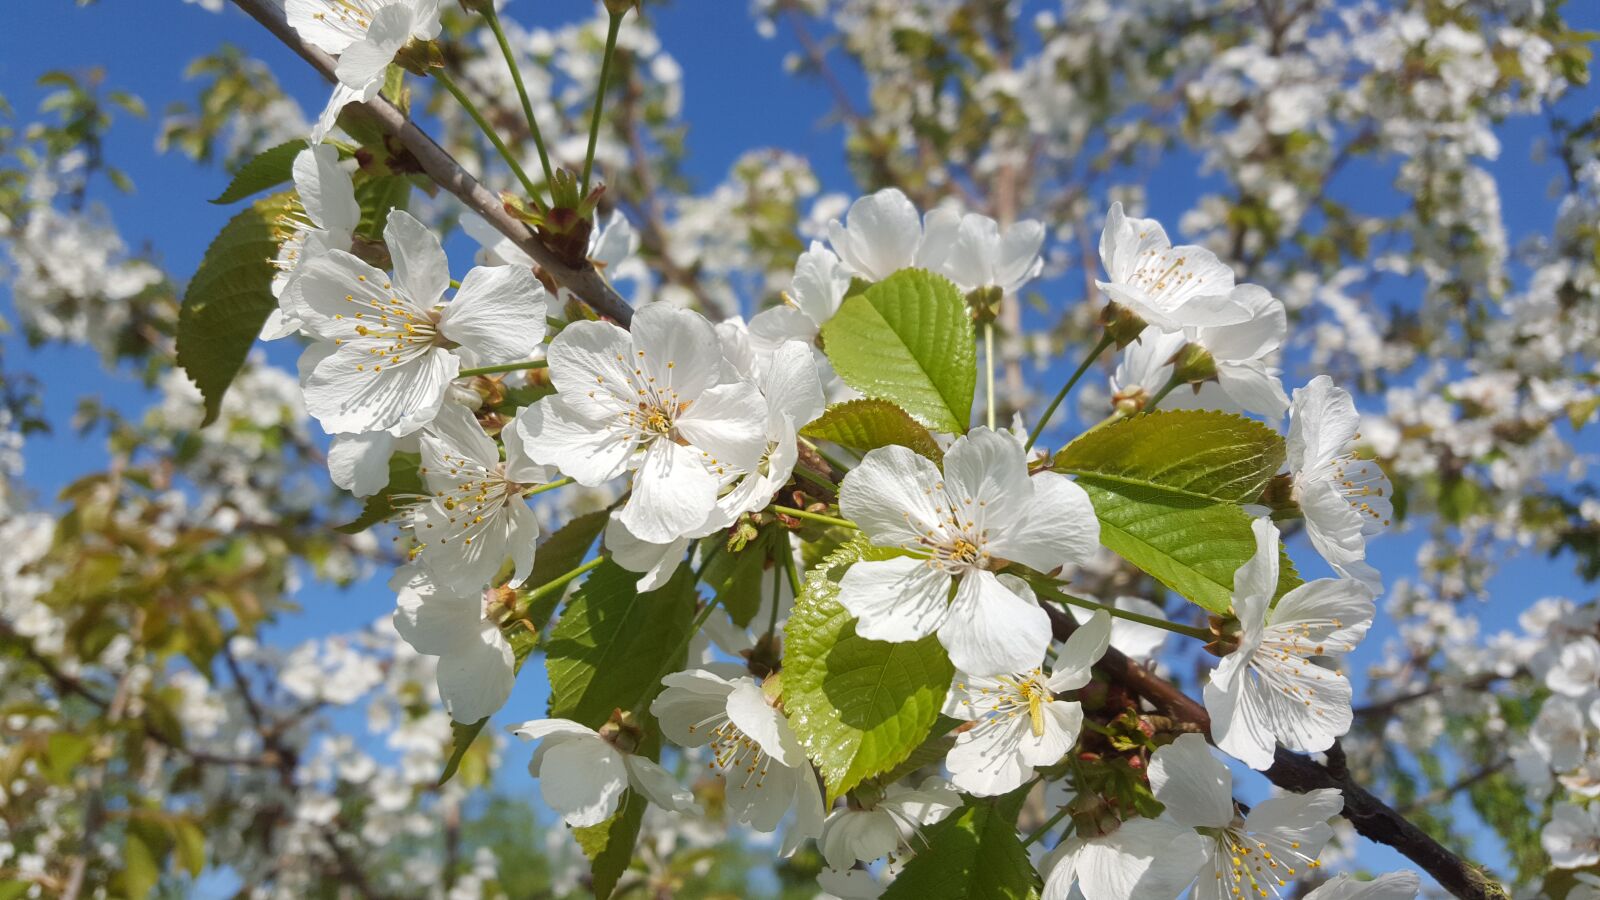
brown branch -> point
(585, 283)
(1372, 818)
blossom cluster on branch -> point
(816, 589)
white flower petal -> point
(582, 780)
(900, 599)
(1192, 783)
(476, 677)
(359, 463)
(673, 492)
(498, 314)
(995, 626)
(890, 495)
(420, 266)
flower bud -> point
(622, 731)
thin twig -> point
(585, 283)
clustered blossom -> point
(687, 433)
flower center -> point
(1014, 696)
(478, 495)
(733, 751)
(1262, 863)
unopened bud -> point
(1130, 401)
(1226, 635)
(622, 731)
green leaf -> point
(609, 845)
(1188, 544)
(559, 554)
(228, 301)
(267, 169)
(868, 424)
(145, 847)
(1196, 453)
(377, 196)
(859, 707)
(908, 339)
(605, 650)
(63, 752)
(405, 479)
(463, 735)
(191, 846)
(973, 855)
(737, 577)
(12, 890)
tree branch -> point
(585, 283)
(1373, 818)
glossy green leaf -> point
(605, 650)
(1202, 454)
(228, 300)
(267, 169)
(859, 707)
(976, 854)
(868, 424)
(908, 339)
(1192, 546)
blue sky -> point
(737, 96)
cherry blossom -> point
(365, 35)
(1269, 690)
(384, 359)
(1345, 499)
(763, 765)
(959, 526)
(1019, 722)
(1166, 286)
(625, 400)
(582, 775)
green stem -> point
(777, 588)
(522, 92)
(832, 459)
(559, 582)
(1050, 823)
(558, 483)
(1099, 348)
(814, 478)
(488, 131)
(1052, 593)
(988, 373)
(503, 367)
(600, 98)
(815, 517)
(1171, 385)
(790, 567)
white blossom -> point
(384, 359)
(765, 769)
(652, 400)
(582, 776)
(1018, 721)
(959, 526)
(1345, 500)
(1269, 690)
